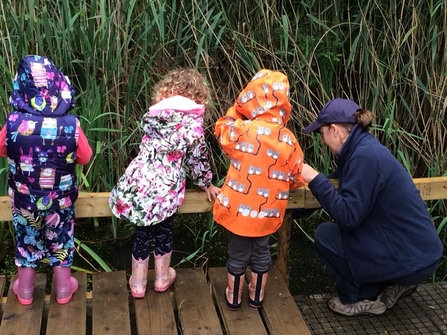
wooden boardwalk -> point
(195, 305)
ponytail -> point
(364, 118)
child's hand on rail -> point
(212, 192)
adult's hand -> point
(308, 173)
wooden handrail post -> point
(284, 233)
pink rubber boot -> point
(233, 292)
(138, 280)
(164, 275)
(66, 285)
(256, 288)
(23, 286)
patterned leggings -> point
(160, 233)
(43, 234)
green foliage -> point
(388, 56)
(92, 254)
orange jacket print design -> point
(265, 158)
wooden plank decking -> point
(195, 305)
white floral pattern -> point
(153, 185)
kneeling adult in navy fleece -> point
(381, 242)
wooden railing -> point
(91, 205)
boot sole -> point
(358, 314)
(363, 313)
(137, 295)
(255, 304)
(23, 302)
(163, 288)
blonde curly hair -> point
(185, 82)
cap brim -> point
(312, 127)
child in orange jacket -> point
(265, 163)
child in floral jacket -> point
(153, 186)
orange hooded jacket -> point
(265, 158)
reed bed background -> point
(389, 56)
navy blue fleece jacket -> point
(384, 223)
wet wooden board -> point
(279, 310)
(68, 319)
(247, 320)
(154, 313)
(197, 313)
(19, 319)
(110, 303)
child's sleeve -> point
(3, 149)
(84, 152)
(228, 130)
(297, 161)
(197, 161)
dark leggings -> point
(160, 233)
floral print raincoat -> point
(153, 185)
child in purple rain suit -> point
(43, 143)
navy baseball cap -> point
(335, 111)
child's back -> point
(43, 143)
(152, 188)
(153, 185)
(41, 136)
(265, 162)
(265, 158)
